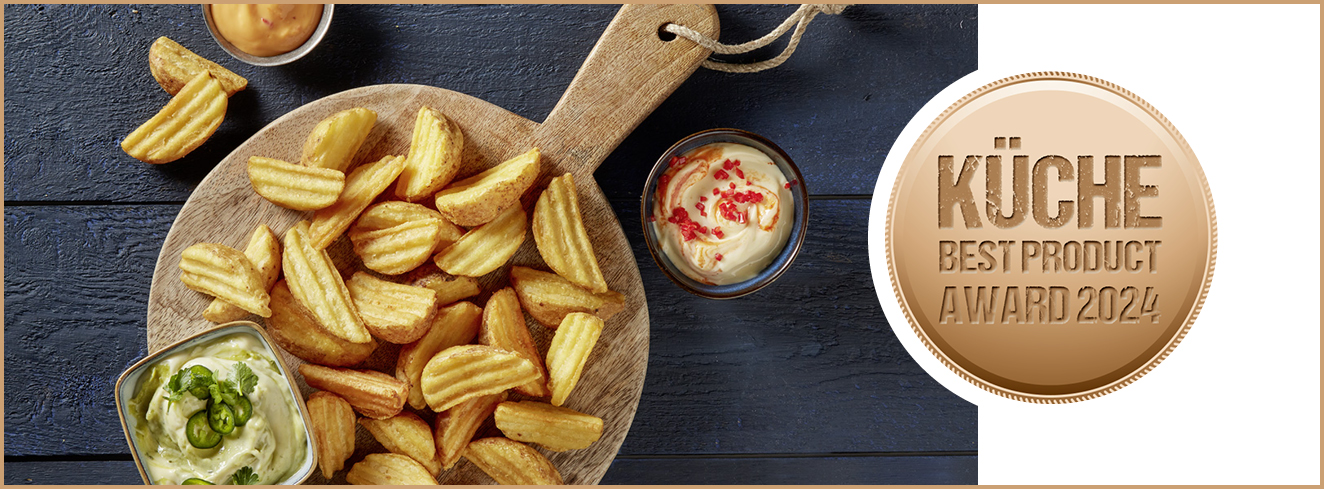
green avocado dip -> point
(226, 395)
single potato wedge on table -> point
(174, 66)
(333, 428)
(264, 251)
(295, 329)
(558, 228)
(453, 325)
(292, 186)
(225, 273)
(555, 428)
(182, 125)
(511, 462)
(549, 297)
(336, 139)
(479, 199)
(389, 469)
(434, 156)
(455, 427)
(408, 435)
(371, 393)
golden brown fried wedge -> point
(453, 325)
(450, 288)
(394, 312)
(395, 237)
(434, 156)
(361, 187)
(549, 297)
(334, 141)
(389, 469)
(558, 228)
(372, 393)
(333, 428)
(487, 247)
(511, 462)
(504, 328)
(569, 352)
(555, 428)
(408, 435)
(456, 426)
(293, 328)
(391, 213)
(264, 251)
(315, 282)
(173, 66)
(460, 373)
(225, 273)
(482, 197)
(182, 125)
(294, 186)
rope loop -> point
(799, 19)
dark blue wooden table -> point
(802, 382)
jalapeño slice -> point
(243, 409)
(199, 431)
(220, 418)
(194, 481)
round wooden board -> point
(224, 209)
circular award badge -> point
(1051, 237)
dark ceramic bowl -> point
(800, 220)
(318, 33)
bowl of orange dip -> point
(268, 34)
(724, 213)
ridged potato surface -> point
(482, 197)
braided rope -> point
(800, 19)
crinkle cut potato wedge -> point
(292, 186)
(504, 328)
(487, 247)
(295, 329)
(408, 435)
(335, 140)
(394, 312)
(450, 288)
(182, 125)
(399, 249)
(371, 393)
(555, 428)
(389, 469)
(315, 282)
(569, 351)
(460, 373)
(333, 428)
(479, 199)
(558, 228)
(225, 273)
(549, 297)
(264, 251)
(453, 325)
(456, 426)
(173, 66)
(512, 463)
(362, 185)
(434, 156)
(391, 213)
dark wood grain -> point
(835, 106)
(808, 365)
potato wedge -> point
(361, 187)
(264, 251)
(456, 426)
(511, 462)
(295, 329)
(336, 139)
(333, 428)
(479, 199)
(393, 213)
(371, 393)
(434, 156)
(393, 312)
(225, 273)
(450, 288)
(460, 373)
(555, 428)
(569, 351)
(395, 237)
(549, 297)
(182, 125)
(389, 469)
(174, 66)
(408, 435)
(487, 247)
(294, 186)
(316, 284)
(504, 328)
(453, 325)
(558, 228)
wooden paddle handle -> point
(628, 74)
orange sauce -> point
(266, 30)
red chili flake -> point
(733, 185)
(704, 229)
(715, 191)
(788, 185)
(738, 197)
(721, 175)
(664, 178)
(719, 257)
(756, 197)
(747, 182)
(727, 165)
(740, 173)
(677, 161)
(703, 199)
(717, 231)
(737, 162)
(699, 206)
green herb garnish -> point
(245, 377)
(243, 477)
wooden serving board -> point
(628, 73)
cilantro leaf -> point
(195, 379)
(245, 377)
(244, 476)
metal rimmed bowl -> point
(129, 381)
(322, 25)
(800, 220)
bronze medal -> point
(1051, 237)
